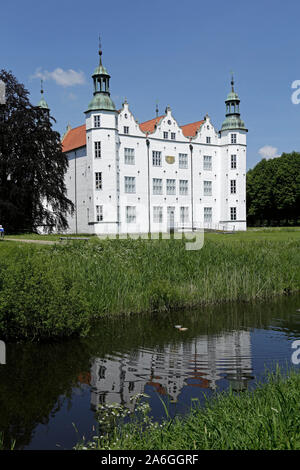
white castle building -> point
(126, 177)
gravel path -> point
(23, 240)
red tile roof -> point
(149, 126)
(74, 139)
(189, 130)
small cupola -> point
(42, 103)
(101, 99)
(233, 118)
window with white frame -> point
(171, 186)
(233, 162)
(97, 120)
(157, 214)
(166, 135)
(207, 188)
(184, 214)
(129, 184)
(232, 213)
(233, 138)
(183, 160)
(126, 130)
(99, 213)
(157, 186)
(232, 186)
(98, 180)
(183, 187)
(130, 214)
(97, 147)
(156, 158)
(207, 162)
(129, 157)
(173, 135)
(207, 214)
(208, 140)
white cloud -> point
(268, 152)
(62, 77)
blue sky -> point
(177, 52)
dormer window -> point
(165, 135)
(97, 120)
(208, 140)
(173, 135)
(126, 130)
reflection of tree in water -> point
(38, 378)
(35, 383)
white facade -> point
(126, 177)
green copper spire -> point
(42, 103)
(101, 99)
(233, 119)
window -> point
(183, 187)
(184, 214)
(129, 158)
(97, 120)
(126, 130)
(157, 214)
(157, 186)
(232, 213)
(166, 135)
(171, 186)
(173, 135)
(183, 160)
(97, 149)
(207, 188)
(156, 158)
(207, 162)
(233, 186)
(98, 179)
(99, 213)
(208, 140)
(207, 214)
(233, 162)
(130, 214)
(233, 138)
(129, 184)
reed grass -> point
(56, 291)
(267, 418)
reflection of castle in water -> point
(199, 363)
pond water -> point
(44, 388)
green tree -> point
(32, 164)
(273, 191)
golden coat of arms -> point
(170, 159)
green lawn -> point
(252, 234)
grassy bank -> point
(55, 291)
(268, 418)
